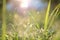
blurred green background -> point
(30, 26)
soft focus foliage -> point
(34, 25)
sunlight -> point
(24, 3)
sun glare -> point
(24, 3)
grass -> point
(34, 31)
(4, 20)
(47, 15)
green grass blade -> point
(53, 12)
(16, 36)
(52, 20)
(4, 20)
(47, 15)
(34, 19)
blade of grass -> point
(52, 20)
(34, 19)
(53, 15)
(16, 36)
(47, 15)
(4, 20)
(53, 12)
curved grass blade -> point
(58, 6)
(52, 20)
